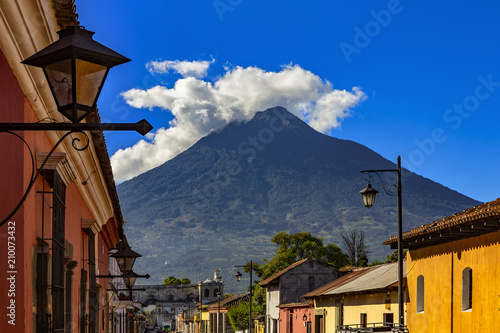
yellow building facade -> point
(378, 307)
(366, 297)
(453, 273)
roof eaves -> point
(481, 212)
(65, 12)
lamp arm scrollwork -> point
(390, 190)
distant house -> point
(218, 321)
(166, 303)
(288, 286)
(361, 298)
(453, 272)
(296, 317)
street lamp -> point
(219, 294)
(193, 315)
(238, 278)
(368, 195)
(75, 67)
(125, 257)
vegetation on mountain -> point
(219, 203)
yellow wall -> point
(374, 305)
(326, 307)
(442, 266)
(259, 327)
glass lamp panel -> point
(125, 263)
(129, 281)
(89, 79)
(121, 263)
(368, 199)
(129, 263)
(60, 79)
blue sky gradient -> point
(430, 70)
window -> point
(420, 293)
(83, 301)
(42, 295)
(363, 320)
(215, 292)
(388, 319)
(58, 241)
(467, 289)
(312, 284)
(207, 292)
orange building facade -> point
(453, 272)
(59, 240)
(297, 318)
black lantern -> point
(238, 276)
(125, 257)
(76, 67)
(368, 194)
(129, 279)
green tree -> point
(238, 316)
(393, 257)
(290, 248)
(295, 247)
(173, 281)
(259, 300)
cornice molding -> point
(57, 162)
(91, 226)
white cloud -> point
(197, 69)
(200, 107)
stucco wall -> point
(273, 299)
(374, 305)
(11, 189)
(303, 279)
(442, 267)
(291, 320)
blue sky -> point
(428, 73)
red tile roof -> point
(485, 211)
(297, 305)
(227, 301)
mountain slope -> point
(219, 203)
